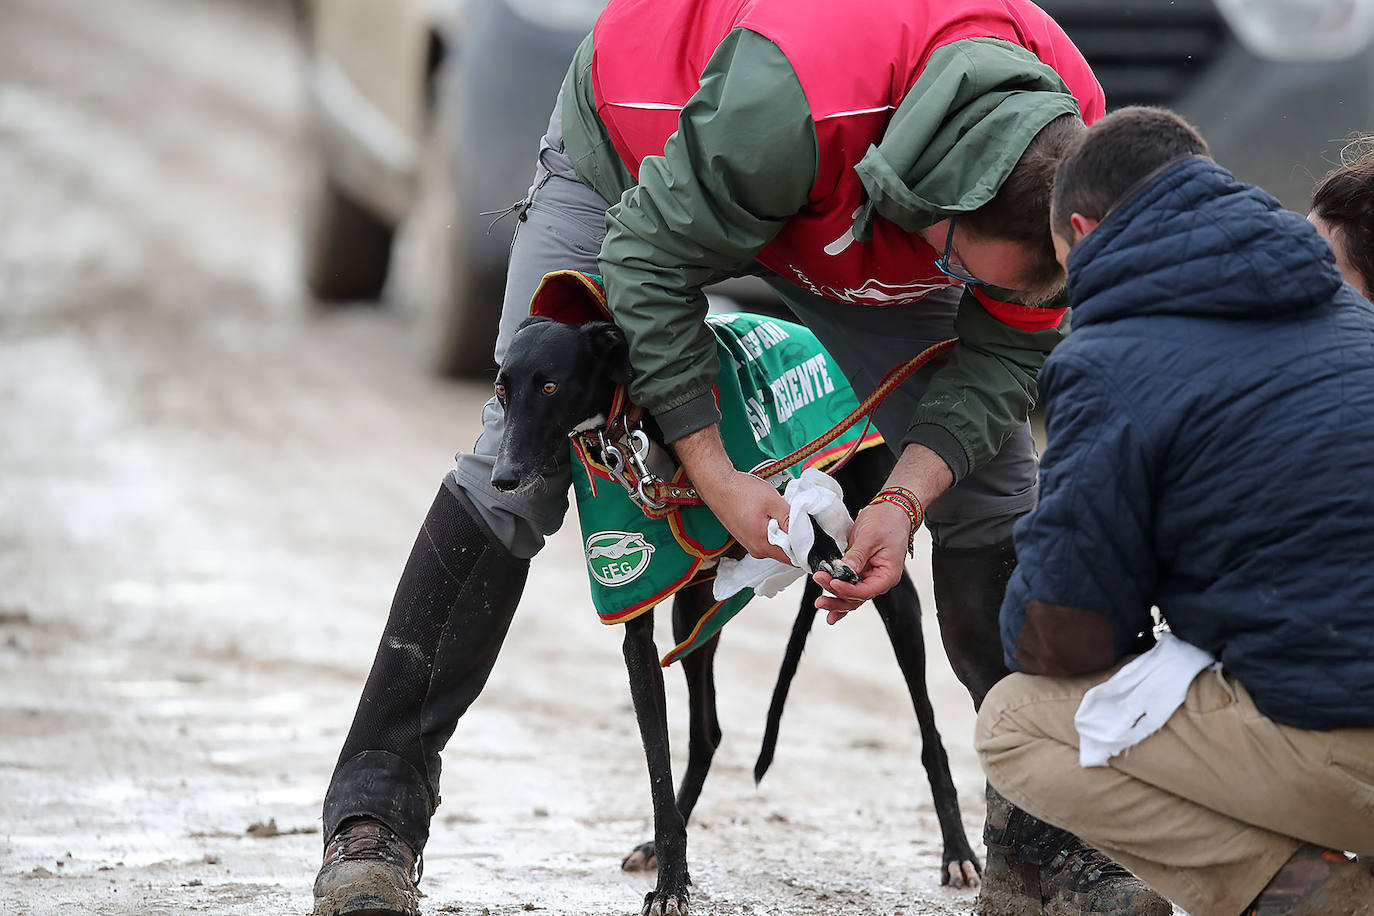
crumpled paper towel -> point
(812, 494)
(1134, 703)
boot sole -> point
(364, 907)
(1006, 904)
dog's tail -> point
(796, 644)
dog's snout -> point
(504, 477)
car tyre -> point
(459, 274)
(345, 248)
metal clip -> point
(614, 457)
(615, 463)
(639, 444)
(646, 500)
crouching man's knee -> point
(1025, 729)
(1001, 736)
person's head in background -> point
(1343, 212)
(1109, 161)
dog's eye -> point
(550, 387)
(500, 392)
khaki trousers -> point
(1207, 809)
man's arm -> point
(740, 501)
(1086, 567)
(742, 162)
(973, 403)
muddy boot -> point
(448, 620)
(368, 871)
(1317, 882)
(1034, 868)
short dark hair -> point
(1345, 201)
(1018, 210)
(1113, 156)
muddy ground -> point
(207, 490)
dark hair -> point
(1018, 210)
(1113, 156)
(1345, 200)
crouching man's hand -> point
(741, 502)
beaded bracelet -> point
(905, 500)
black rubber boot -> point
(1033, 868)
(969, 585)
(448, 620)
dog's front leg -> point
(670, 829)
(689, 606)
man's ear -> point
(1082, 225)
(607, 343)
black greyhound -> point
(556, 378)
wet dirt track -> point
(207, 490)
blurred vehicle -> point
(428, 113)
(1275, 86)
(425, 114)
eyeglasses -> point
(954, 273)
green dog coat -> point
(777, 389)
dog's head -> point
(555, 378)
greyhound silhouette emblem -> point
(618, 557)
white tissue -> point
(814, 494)
(1135, 702)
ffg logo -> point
(617, 557)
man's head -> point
(1109, 161)
(1005, 241)
(1343, 212)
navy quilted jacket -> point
(1211, 447)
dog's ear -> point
(533, 319)
(608, 345)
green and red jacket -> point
(813, 139)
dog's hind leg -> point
(900, 611)
(689, 605)
(670, 828)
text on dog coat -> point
(801, 385)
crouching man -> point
(1211, 454)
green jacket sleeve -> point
(986, 390)
(741, 163)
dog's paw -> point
(962, 873)
(641, 858)
(660, 903)
(837, 570)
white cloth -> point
(1134, 703)
(812, 494)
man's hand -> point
(877, 552)
(742, 502)
(878, 543)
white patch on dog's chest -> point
(589, 424)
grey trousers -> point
(562, 224)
